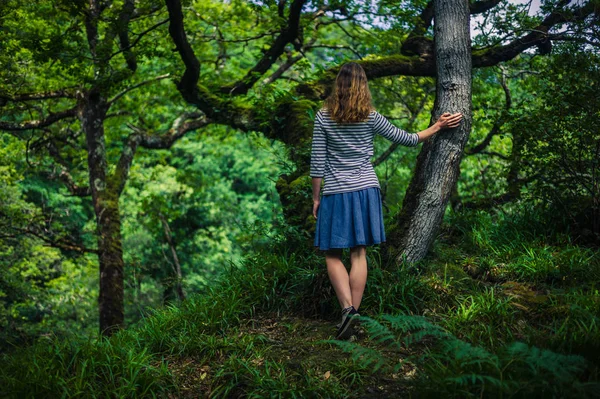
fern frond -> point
(541, 361)
(379, 333)
(466, 354)
(406, 323)
(473, 379)
(366, 357)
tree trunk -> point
(92, 110)
(178, 276)
(438, 163)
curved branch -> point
(189, 81)
(122, 26)
(287, 35)
(59, 243)
(39, 124)
(537, 37)
(62, 93)
(211, 105)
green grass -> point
(120, 367)
(506, 306)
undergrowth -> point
(455, 368)
(504, 306)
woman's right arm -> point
(383, 127)
(446, 121)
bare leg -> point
(358, 273)
(339, 277)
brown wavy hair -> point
(350, 99)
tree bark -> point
(92, 110)
(438, 163)
(178, 276)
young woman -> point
(349, 213)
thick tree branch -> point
(416, 42)
(189, 81)
(537, 37)
(287, 35)
(424, 65)
(382, 67)
(60, 243)
(184, 124)
(91, 26)
(211, 105)
(123, 31)
(39, 124)
(38, 96)
(74, 189)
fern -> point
(379, 333)
(563, 368)
(473, 379)
(406, 323)
(367, 357)
(466, 354)
(456, 367)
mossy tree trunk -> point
(438, 163)
(105, 199)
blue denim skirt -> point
(345, 220)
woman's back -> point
(341, 152)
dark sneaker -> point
(344, 314)
(345, 330)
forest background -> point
(154, 188)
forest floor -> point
(300, 346)
(499, 310)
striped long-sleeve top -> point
(341, 153)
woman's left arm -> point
(317, 161)
(316, 190)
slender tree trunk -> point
(438, 163)
(176, 265)
(512, 178)
(92, 112)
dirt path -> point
(296, 346)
